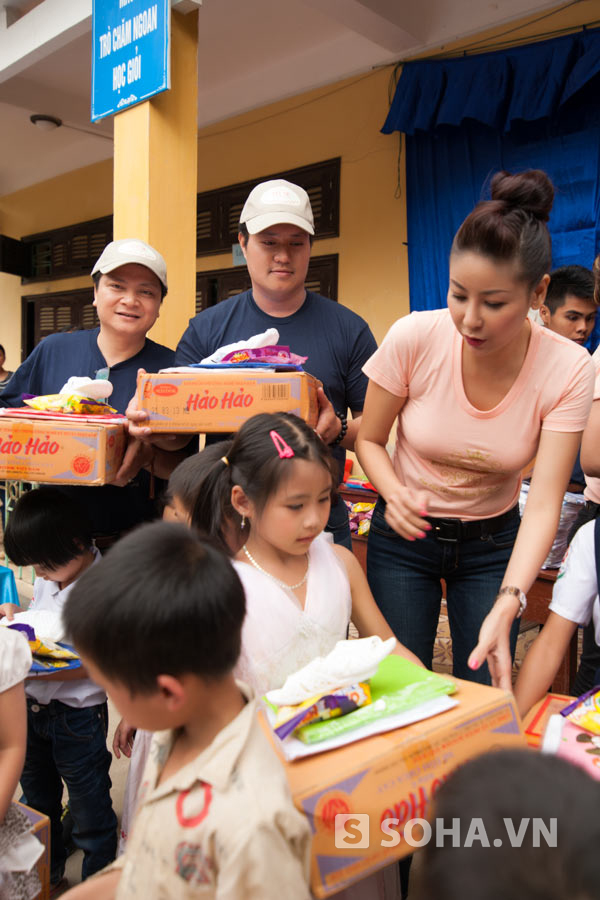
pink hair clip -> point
(284, 450)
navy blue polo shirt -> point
(47, 368)
(336, 341)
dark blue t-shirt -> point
(59, 356)
(47, 368)
(336, 341)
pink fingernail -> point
(473, 664)
(428, 527)
(422, 534)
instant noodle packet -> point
(53, 654)
(324, 706)
(273, 354)
(70, 403)
(585, 711)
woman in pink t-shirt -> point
(477, 390)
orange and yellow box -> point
(393, 776)
(58, 451)
(537, 718)
(40, 827)
(217, 400)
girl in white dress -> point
(19, 849)
(301, 590)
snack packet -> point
(585, 711)
(70, 403)
(276, 353)
(44, 647)
(325, 706)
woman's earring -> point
(243, 522)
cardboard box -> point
(217, 400)
(536, 719)
(393, 775)
(41, 828)
(59, 451)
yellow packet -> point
(70, 403)
(328, 705)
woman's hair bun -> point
(531, 191)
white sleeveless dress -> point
(279, 637)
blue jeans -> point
(405, 578)
(339, 525)
(68, 744)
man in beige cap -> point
(276, 233)
(130, 282)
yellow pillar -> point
(156, 177)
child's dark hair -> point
(512, 225)
(254, 463)
(576, 281)
(160, 602)
(533, 793)
(46, 528)
(186, 478)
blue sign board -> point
(130, 53)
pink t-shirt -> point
(592, 485)
(470, 460)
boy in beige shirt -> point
(158, 624)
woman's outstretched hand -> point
(405, 511)
(494, 645)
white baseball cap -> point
(277, 202)
(130, 250)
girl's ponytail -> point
(212, 510)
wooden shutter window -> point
(67, 251)
(51, 313)
(89, 316)
(218, 211)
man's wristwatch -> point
(338, 440)
(515, 592)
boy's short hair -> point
(574, 280)
(186, 478)
(160, 602)
(526, 790)
(47, 527)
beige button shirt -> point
(223, 826)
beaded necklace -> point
(282, 584)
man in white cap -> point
(276, 232)
(130, 282)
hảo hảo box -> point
(60, 451)
(393, 775)
(216, 400)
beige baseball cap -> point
(277, 202)
(130, 250)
